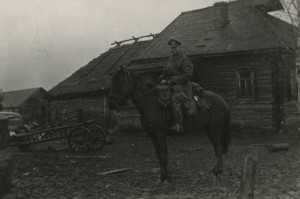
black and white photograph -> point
(152, 99)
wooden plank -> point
(114, 171)
(248, 177)
(278, 147)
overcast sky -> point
(44, 41)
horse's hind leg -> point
(214, 131)
(218, 167)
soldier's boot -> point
(177, 112)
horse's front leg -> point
(159, 141)
(164, 160)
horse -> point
(216, 120)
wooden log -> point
(275, 147)
(114, 171)
(248, 177)
(98, 156)
(278, 147)
(190, 150)
(148, 160)
(5, 158)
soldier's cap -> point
(173, 41)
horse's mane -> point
(147, 84)
(135, 76)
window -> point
(293, 86)
(245, 83)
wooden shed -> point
(88, 87)
(31, 103)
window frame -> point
(241, 94)
(293, 85)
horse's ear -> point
(149, 84)
(123, 68)
(117, 69)
(111, 74)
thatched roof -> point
(248, 29)
(18, 97)
(94, 77)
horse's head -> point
(121, 88)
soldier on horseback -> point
(177, 74)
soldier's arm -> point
(163, 76)
(187, 70)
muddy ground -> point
(49, 174)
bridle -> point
(123, 98)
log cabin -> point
(88, 87)
(238, 50)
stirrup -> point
(176, 128)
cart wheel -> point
(80, 139)
(98, 136)
(21, 130)
(23, 143)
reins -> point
(134, 98)
(147, 92)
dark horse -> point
(216, 120)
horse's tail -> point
(226, 135)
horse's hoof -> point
(218, 173)
(158, 182)
(167, 185)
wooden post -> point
(298, 57)
(4, 133)
(248, 177)
(5, 164)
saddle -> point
(198, 101)
(164, 95)
(198, 95)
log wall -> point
(34, 109)
(219, 75)
(93, 108)
(291, 113)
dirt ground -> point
(49, 174)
